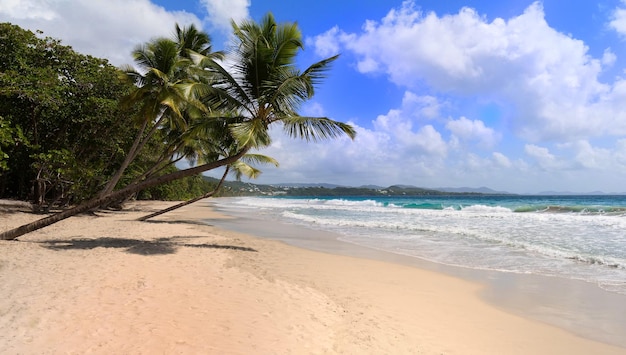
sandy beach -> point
(107, 284)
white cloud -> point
(398, 148)
(587, 156)
(313, 109)
(543, 157)
(548, 78)
(618, 20)
(608, 57)
(399, 125)
(326, 44)
(27, 9)
(468, 130)
(109, 29)
(422, 157)
(426, 106)
(395, 150)
(618, 156)
(501, 160)
(221, 12)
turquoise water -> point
(576, 237)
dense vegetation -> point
(61, 129)
(120, 132)
(63, 132)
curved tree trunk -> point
(132, 153)
(189, 202)
(138, 144)
(116, 195)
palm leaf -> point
(316, 128)
(252, 133)
(251, 158)
(317, 72)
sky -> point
(522, 96)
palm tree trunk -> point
(132, 153)
(189, 202)
(138, 144)
(116, 195)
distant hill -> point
(480, 190)
(238, 188)
(324, 185)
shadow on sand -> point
(159, 246)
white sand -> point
(112, 285)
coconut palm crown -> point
(263, 85)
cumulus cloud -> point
(589, 157)
(501, 160)
(221, 12)
(400, 147)
(543, 158)
(422, 106)
(396, 149)
(549, 78)
(468, 130)
(27, 9)
(328, 43)
(618, 20)
(110, 29)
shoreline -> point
(577, 306)
(111, 284)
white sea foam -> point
(589, 247)
(486, 209)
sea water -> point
(575, 237)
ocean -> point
(572, 237)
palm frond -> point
(289, 90)
(317, 71)
(288, 41)
(239, 168)
(251, 158)
(316, 128)
(252, 133)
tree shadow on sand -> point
(180, 221)
(159, 246)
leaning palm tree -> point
(263, 87)
(160, 94)
(166, 79)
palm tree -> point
(156, 93)
(165, 82)
(192, 41)
(264, 86)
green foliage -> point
(61, 132)
(265, 85)
(178, 190)
(9, 137)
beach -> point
(106, 283)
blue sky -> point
(517, 95)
